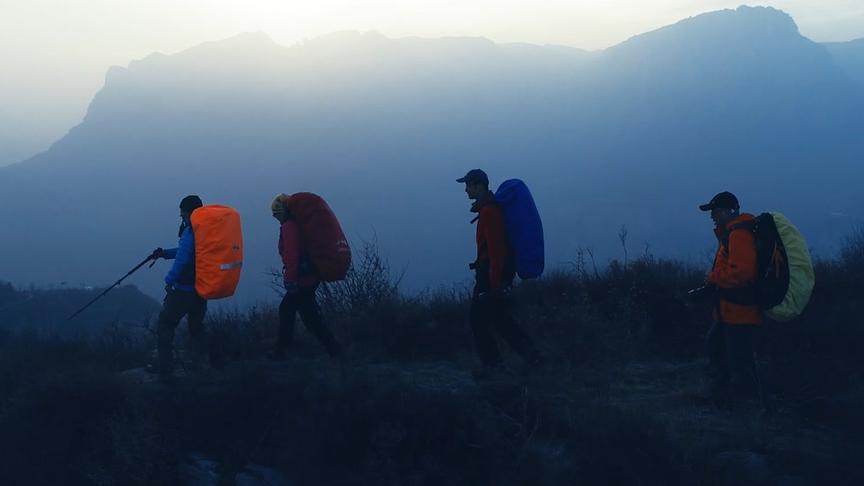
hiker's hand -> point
(157, 254)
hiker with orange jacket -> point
(731, 341)
(301, 282)
(492, 301)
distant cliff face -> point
(636, 135)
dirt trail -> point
(535, 406)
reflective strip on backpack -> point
(230, 266)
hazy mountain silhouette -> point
(47, 310)
(850, 57)
(638, 134)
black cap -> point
(190, 203)
(474, 176)
(724, 200)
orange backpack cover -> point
(218, 251)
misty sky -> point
(54, 53)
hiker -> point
(492, 300)
(301, 280)
(731, 341)
(181, 298)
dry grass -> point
(618, 403)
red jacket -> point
(735, 267)
(493, 248)
(292, 253)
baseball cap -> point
(474, 176)
(725, 200)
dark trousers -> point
(303, 302)
(732, 364)
(179, 304)
(491, 315)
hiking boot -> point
(166, 376)
(191, 363)
(535, 359)
(160, 364)
(489, 372)
(216, 359)
(722, 403)
(335, 351)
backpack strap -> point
(748, 225)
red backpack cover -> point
(321, 235)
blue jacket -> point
(182, 273)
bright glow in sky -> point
(54, 53)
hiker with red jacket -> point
(731, 341)
(301, 281)
(492, 301)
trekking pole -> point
(152, 256)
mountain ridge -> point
(257, 41)
(594, 134)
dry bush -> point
(67, 420)
(368, 286)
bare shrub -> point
(368, 285)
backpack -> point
(321, 235)
(218, 251)
(524, 227)
(785, 276)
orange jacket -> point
(735, 267)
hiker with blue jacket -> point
(492, 304)
(181, 299)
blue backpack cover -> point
(524, 228)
